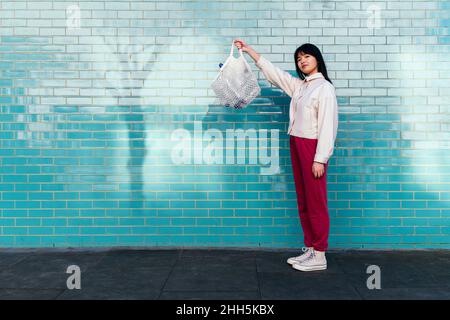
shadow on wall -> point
(193, 141)
(149, 126)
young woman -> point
(313, 123)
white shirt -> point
(313, 111)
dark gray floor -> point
(221, 274)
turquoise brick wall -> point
(93, 94)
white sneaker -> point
(298, 259)
(315, 261)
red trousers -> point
(311, 193)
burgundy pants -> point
(311, 193)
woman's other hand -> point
(318, 169)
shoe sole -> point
(314, 268)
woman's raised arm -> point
(278, 77)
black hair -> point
(309, 48)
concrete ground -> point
(215, 274)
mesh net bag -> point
(235, 86)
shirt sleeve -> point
(280, 78)
(327, 124)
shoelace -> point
(312, 255)
(304, 249)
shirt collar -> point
(314, 76)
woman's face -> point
(307, 63)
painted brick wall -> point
(95, 93)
